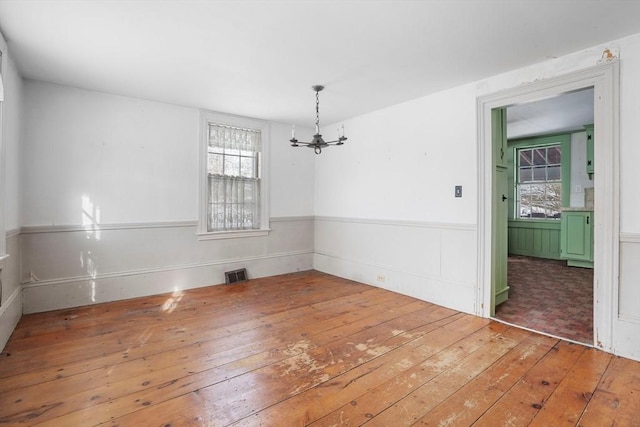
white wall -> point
(110, 202)
(401, 165)
(105, 157)
(385, 202)
(129, 160)
(10, 147)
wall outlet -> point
(381, 278)
(458, 191)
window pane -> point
(554, 193)
(526, 175)
(539, 174)
(539, 156)
(248, 192)
(247, 169)
(554, 173)
(231, 165)
(525, 158)
(554, 155)
(214, 165)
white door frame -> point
(604, 79)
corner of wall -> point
(11, 306)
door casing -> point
(604, 79)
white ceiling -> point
(260, 58)
(566, 112)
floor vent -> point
(235, 276)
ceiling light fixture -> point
(317, 143)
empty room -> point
(327, 213)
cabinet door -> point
(576, 230)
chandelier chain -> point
(317, 110)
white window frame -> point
(519, 183)
(207, 117)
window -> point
(539, 182)
(233, 186)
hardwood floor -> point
(302, 349)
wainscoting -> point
(75, 266)
(535, 238)
(11, 304)
(435, 262)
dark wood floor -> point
(302, 349)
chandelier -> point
(317, 143)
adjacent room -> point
(550, 210)
(328, 213)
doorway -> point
(603, 78)
(547, 176)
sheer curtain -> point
(234, 178)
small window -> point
(539, 182)
(233, 172)
(233, 188)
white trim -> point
(233, 234)
(35, 229)
(293, 218)
(3, 144)
(143, 271)
(6, 304)
(400, 223)
(629, 237)
(13, 232)
(605, 80)
(245, 122)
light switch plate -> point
(458, 192)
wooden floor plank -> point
(520, 404)
(408, 410)
(569, 400)
(218, 359)
(137, 374)
(312, 364)
(433, 354)
(467, 404)
(301, 349)
(616, 401)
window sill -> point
(235, 234)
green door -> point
(501, 288)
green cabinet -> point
(590, 159)
(576, 238)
